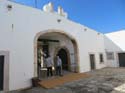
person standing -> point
(58, 66)
(49, 64)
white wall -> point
(114, 42)
(19, 40)
(111, 46)
(118, 38)
(90, 42)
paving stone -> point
(101, 81)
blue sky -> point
(102, 15)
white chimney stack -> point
(61, 12)
(48, 7)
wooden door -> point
(121, 59)
(92, 61)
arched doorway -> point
(50, 36)
(62, 53)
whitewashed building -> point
(115, 47)
(25, 30)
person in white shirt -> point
(58, 66)
(49, 64)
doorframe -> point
(68, 55)
(94, 61)
(117, 58)
(6, 70)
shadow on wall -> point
(110, 45)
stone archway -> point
(42, 33)
(68, 55)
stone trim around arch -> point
(68, 54)
(74, 41)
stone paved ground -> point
(101, 81)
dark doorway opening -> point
(64, 57)
(92, 61)
(1, 72)
(121, 59)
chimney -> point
(50, 4)
(48, 7)
(60, 10)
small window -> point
(110, 55)
(101, 58)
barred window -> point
(110, 55)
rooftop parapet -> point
(50, 8)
